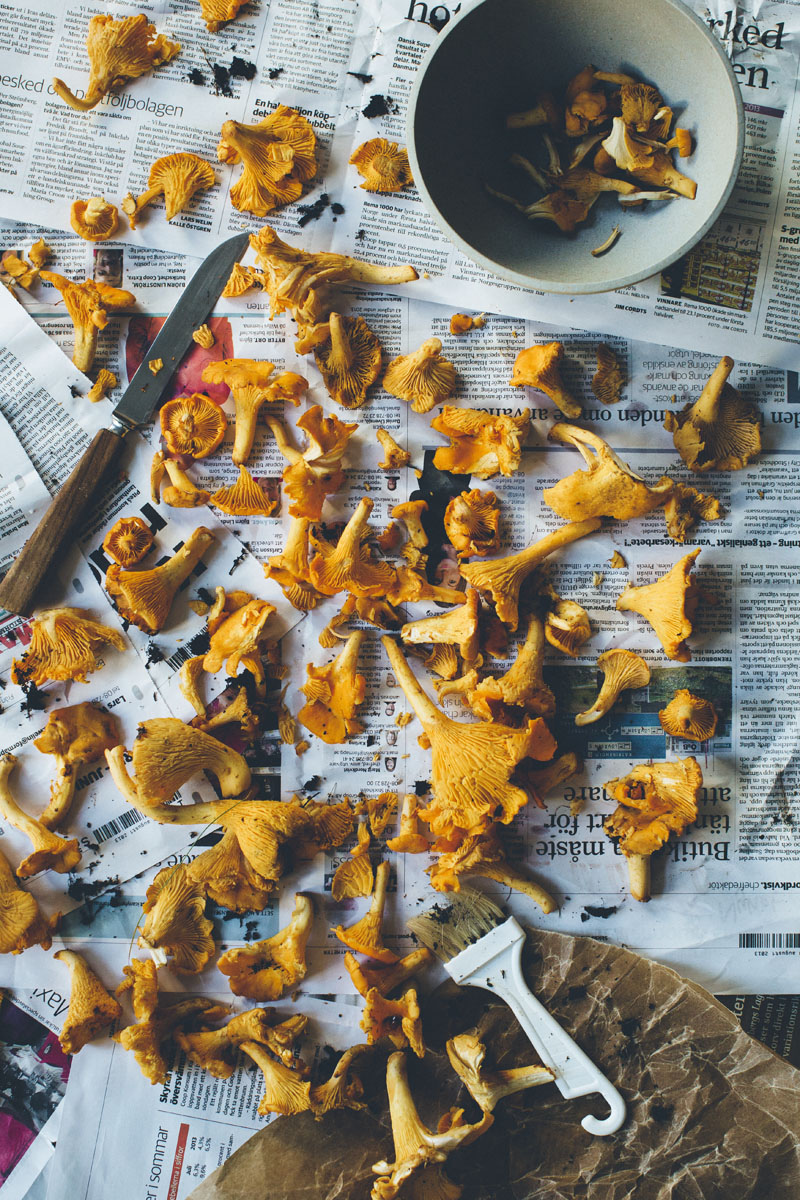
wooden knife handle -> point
(54, 534)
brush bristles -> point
(449, 929)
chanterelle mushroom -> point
(300, 282)
(471, 522)
(398, 1020)
(540, 367)
(245, 498)
(315, 472)
(94, 220)
(348, 566)
(145, 597)
(49, 851)
(689, 716)
(216, 13)
(459, 627)
(65, 644)
(215, 1050)
(334, 692)
(166, 753)
(621, 669)
(481, 444)
(654, 800)
(349, 360)
(502, 578)
(685, 507)
(265, 970)
(472, 764)
(175, 924)
(192, 425)
(87, 304)
(415, 1146)
(76, 736)
(668, 605)
(720, 431)
(354, 876)
(119, 50)
(607, 488)
(467, 1055)
(91, 1007)
(609, 378)
(147, 1039)
(422, 378)
(176, 177)
(289, 569)
(366, 935)
(21, 921)
(251, 384)
(278, 155)
(522, 686)
(128, 541)
(383, 165)
(394, 455)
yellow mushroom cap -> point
(668, 605)
(383, 165)
(265, 970)
(622, 669)
(480, 444)
(128, 541)
(95, 220)
(91, 1006)
(118, 50)
(216, 13)
(689, 716)
(145, 597)
(422, 378)
(175, 923)
(243, 498)
(471, 522)
(350, 361)
(192, 425)
(64, 645)
(540, 367)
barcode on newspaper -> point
(112, 828)
(769, 941)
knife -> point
(55, 532)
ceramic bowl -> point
(493, 60)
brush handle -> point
(495, 963)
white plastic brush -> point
(481, 947)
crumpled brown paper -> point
(712, 1114)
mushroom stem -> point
(62, 789)
(9, 807)
(284, 445)
(706, 407)
(639, 876)
(90, 100)
(419, 700)
(85, 345)
(503, 872)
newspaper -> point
(349, 68)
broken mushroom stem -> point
(706, 407)
(639, 876)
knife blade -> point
(55, 532)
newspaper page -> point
(349, 68)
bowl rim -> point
(529, 282)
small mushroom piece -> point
(119, 50)
(236, 637)
(383, 165)
(76, 736)
(140, 978)
(416, 1146)
(380, 810)
(461, 323)
(685, 507)
(610, 377)
(540, 367)
(50, 852)
(145, 597)
(167, 753)
(182, 492)
(354, 876)
(241, 280)
(204, 336)
(237, 712)
(621, 669)
(315, 472)
(398, 1020)
(278, 155)
(334, 692)
(265, 970)
(422, 378)
(87, 304)
(148, 1039)
(217, 13)
(193, 425)
(654, 800)
(289, 569)
(21, 921)
(245, 498)
(566, 625)
(176, 177)
(668, 605)
(394, 455)
(607, 488)
(40, 253)
(189, 677)
(348, 566)
(467, 1055)
(410, 839)
(24, 274)
(91, 1006)
(175, 924)
(522, 686)
(350, 360)
(481, 444)
(128, 541)
(586, 105)
(472, 764)
(366, 936)
(94, 220)
(720, 431)
(471, 522)
(689, 716)
(285, 1090)
(65, 644)
(411, 513)
(460, 627)
(502, 578)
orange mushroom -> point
(193, 425)
(128, 541)
(176, 177)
